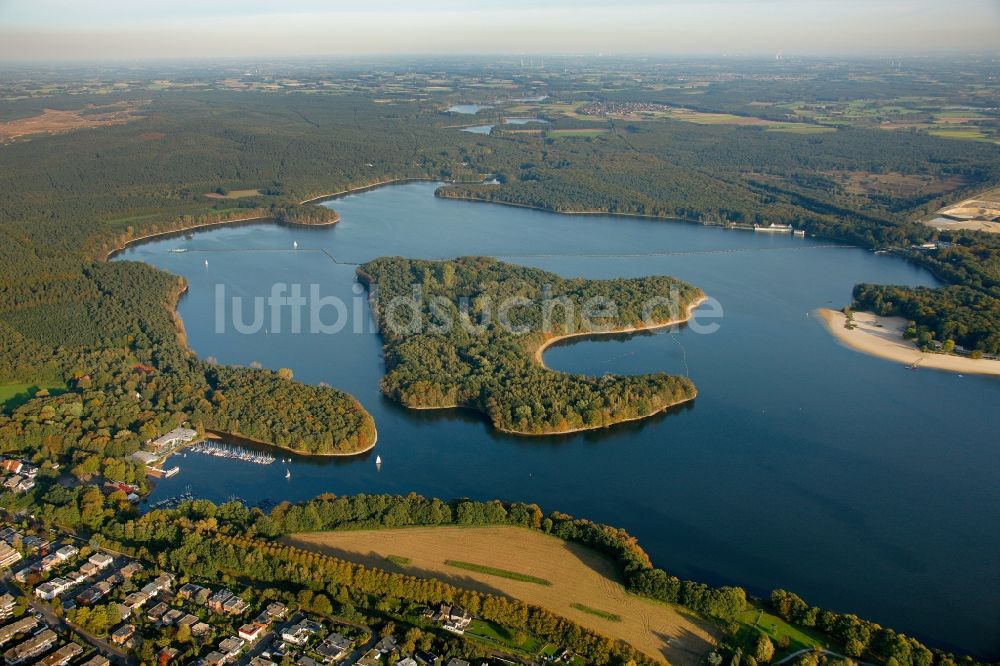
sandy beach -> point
(540, 350)
(883, 337)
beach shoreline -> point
(883, 337)
(540, 350)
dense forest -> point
(130, 379)
(467, 335)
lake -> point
(467, 108)
(852, 481)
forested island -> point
(306, 215)
(454, 352)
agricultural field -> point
(577, 133)
(581, 578)
(233, 194)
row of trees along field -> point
(450, 347)
(858, 638)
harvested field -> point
(579, 576)
(52, 121)
(233, 194)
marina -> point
(232, 452)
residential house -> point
(199, 629)
(334, 647)
(371, 658)
(130, 569)
(297, 635)
(408, 661)
(24, 625)
(135, 600)
(306, 660)
(387, 645)
(49, 562)
(62, 656)
(67, 552)
(260, 661)
(8, 555)
(6, 606)
(457, 662)
(217, 601)
(251, 632)
(167, 655)
(156, 613)
(174, 616)
(214, 659)
(232, 646)
(195, 593)
(87, 570)
(455, 618)
(35, 646)
(101, 560)
(425, 657)
(52, 589)
(276, 610)
(188, 619)
(97, 660)
(122, 634)
(11, 466)
(235, 606)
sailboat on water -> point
(288, 473)
(378, 461)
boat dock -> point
(232, 452)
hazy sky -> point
(129, 29)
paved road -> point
(829, 653)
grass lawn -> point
(613, 617)
(398, 559)
(493, 571)
(15, 395)
(801, 128)
(754, 620)
(494, 633)
(967, 134)
(233, 194)
(575, 133)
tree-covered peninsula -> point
(464, 332)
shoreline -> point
(882, 337)
(665, 218)
(219, 434)
(630, 329)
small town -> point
(63, 602)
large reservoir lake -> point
(852, 481)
